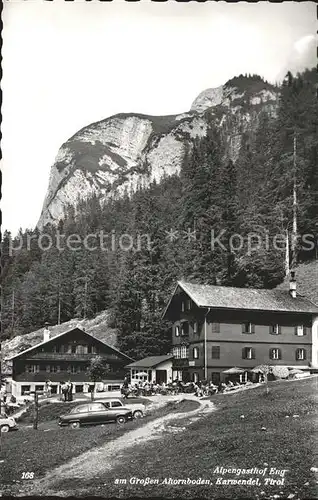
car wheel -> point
(120, 420)
(138, 414)
(5, 428)
(75, 425)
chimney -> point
(292, 285)
(46, 332)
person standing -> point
(64, 388)
(69, 391)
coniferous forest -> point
(254, 195)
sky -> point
(68, 64)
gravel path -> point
(99, 460)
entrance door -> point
(185, 376)
(161, 376)
(215, 378)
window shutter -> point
(295, 329)
(244, 353)
(279, 329)
(243, 328)
(296, 354)
(305, 354)
(279, 354)
(253, 353)
(215, 327)
(252, 328)
(271, 353)
(305, 330)
(270, 329)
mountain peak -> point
(130, 150)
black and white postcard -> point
(159, 256)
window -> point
(216, 377)
(275, 353)
(113, 387)
(80, 409)
(248, 328)
(91, 349)
(248, 353)
(300, 354)
(176, 352)
(182, 306)
(188, 304)
(96, 407)
(72, 368)
(195, 327)
(74, 349)
(185, 328)
(116, 404)
(300, 330)
(195, 377)
(32, 368)
(56, 348)
(216, 352)
(183, 352)
(24, 389)
(177, 330)
(195, 353)
(215, 327)
(275, 329)
(54, 368)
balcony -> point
(180, 363)
(69, 356)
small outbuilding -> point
(151, 369)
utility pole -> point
(85, 297)
(36, 411)
(36, 407)
(294, 231)
(12, 311)
(59, 293)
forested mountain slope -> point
(215, 219)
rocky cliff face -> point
(125, 151)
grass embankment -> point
(40, 451)
(224, 439)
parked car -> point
(7, 423)
(138, 409)
(94, 413)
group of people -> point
(200, 388)
(173, 387)
(67, 390)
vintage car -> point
(7, 423)
(94, 413)
(137, 409)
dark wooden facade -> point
(66, 358)
(219, 339)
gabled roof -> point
(149, 362)
(224, 297)
(61, 335)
